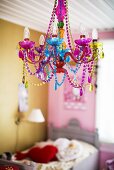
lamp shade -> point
(36, 116)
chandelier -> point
(57, 53)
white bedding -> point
(87, 151)
(83, 150)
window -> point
(105, 94)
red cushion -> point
(40, 155)
(43, 155)
(20, 155)
(5, 167)
(33, 153)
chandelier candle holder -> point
(54, 56)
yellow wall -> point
(10, 76)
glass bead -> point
(102, 55)
(89, 79)
(81, 92)
(90, 87)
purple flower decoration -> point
(26, 44)
(82, 49)
(83, 41)
(21, 55)
(31, 55)
(39, 49)
(60, 11)
(76, 52)
(87, 50)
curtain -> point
(105, 94)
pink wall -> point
(106, 35)
(59, 115)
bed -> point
(72, 131)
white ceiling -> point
(36, 13)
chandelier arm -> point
(34, 62)
(26, 56)
(70, 54)
(88, 61)
(30, 62)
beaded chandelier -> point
(55, 56)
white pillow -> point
(61, 143)
(68, 149)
